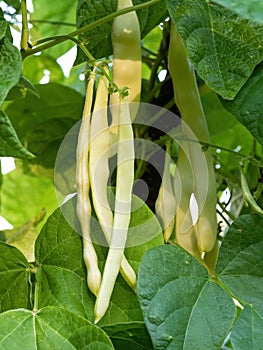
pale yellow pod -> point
(165, 205)
(83, 187)
(99, 149)
(122, 210)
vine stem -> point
(60, 39)
(25, 31)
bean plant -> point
(135, 206)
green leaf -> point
(10, 146)
(19, 188)
(210, 34)
(248, 105)
(60, 19)
(42, 123)
(129, 336)
(240, 264)
(36, 67)
(179, 302)
(50, 328)
(16, 4)
(247, 331)
(252, 9)
(99, 39)
(61, 275)
(15, 277)
(3, 25)
(226, 131)
(10, 67)
(21, 89)
(24, 237)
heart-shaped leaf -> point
(15, 279)
(49, 328)
(247, 331)
(179, 301)
(240, 264)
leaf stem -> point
(86, 28)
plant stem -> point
(86, 28)
(25, 31)
(228, 213)
(35, 308)
(52, 22)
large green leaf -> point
(223, 47)
(247, 331)
(35, 68)
(10, 61)
(49, 328)
(15, 279)
(247, 107)
(24, 196)
(42, 123)
(179, 302)
(99, 39)
(240, 264)
(252, 9)
(10, 146)
(58, 19)
(61, 275)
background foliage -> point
(44, 299)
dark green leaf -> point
(252, 9)
(49, 328)
(14, 286)
(179, 301)
(10, 67)
(16, 4)
(3, 25)
(61, 276)
(210, 34)
(240, 264)
(99, 39)
(43, 122)
(10, 146)
(247, 331)
(247, 107)
(129, 336)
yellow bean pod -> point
(99, 148)
(83, 188)
(122, 210)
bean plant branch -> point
(57, 40)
